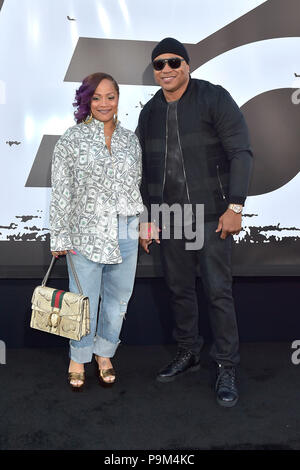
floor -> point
(39, 411)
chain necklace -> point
(108, 137)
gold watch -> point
(237, 208)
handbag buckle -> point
(54, 320)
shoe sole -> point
(227, 404)
(77, 389)
(104, 384)
(174, 377)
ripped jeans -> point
(113, 283)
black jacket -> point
(215, 146)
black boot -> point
(184, 361)
(226, 390)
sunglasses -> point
(173, 63)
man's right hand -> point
(148, 233)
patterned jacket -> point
(91, 187)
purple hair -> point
(85, 92)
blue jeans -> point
(113, 283)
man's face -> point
(172, 80)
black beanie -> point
(172, 46)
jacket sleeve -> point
(233, 133)
(146, 216)
(61, 195)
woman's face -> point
(104, 102)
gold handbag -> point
(58, 312)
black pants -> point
(179, 267)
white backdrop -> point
(37, 41)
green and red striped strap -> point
(57, 298)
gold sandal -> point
(76, 376)
(104, 373)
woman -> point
(96, 173)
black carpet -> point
(39, 411)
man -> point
(195, 151)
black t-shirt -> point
(175, 189)
(175, 183)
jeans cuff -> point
(105, 348)
(81, 355)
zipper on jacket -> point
(164, 180)
(220, 183)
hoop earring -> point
(89, 119)
(116, 119)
